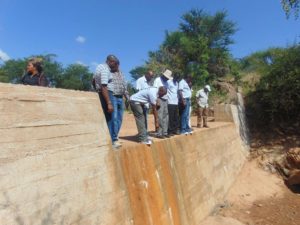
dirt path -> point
(259, 198)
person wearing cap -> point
(202, 100)
(111, 86)
(185, 95)
(163, 116)
(137, 104)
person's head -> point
(113, 62)
(34, 66)
(162, 91)
(176, 77)
(167, 75)
(207, 88)
(149, 75)
(188, 79)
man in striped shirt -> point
(111, 86)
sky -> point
(86, 31)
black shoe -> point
(160, 136)
(167, 136)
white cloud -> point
(93, 65)
(80, 63)
(80, 39)
(3, 56)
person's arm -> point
(104, 92)
(102, 74)
(182, 100)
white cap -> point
(168, 74)
(207, 87)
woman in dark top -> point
(34, 74)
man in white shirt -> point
(137, 102)
(173, 105)
(202, 100)
(142, 83)
(163, 116)
(185, 95)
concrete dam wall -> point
(57, 165)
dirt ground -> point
(258, 198)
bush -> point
(276, 98)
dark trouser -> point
(140, 120)
(173, 118)
(163, 117)
(202, 114)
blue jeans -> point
(184, 117)
(114, 119)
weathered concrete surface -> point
(57, 165)
(180, 180)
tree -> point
(3, 76)
(199, 47)
(290, 6)
(13, 70)
(277, 95)
(76, 77)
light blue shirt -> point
(185, 88)
(142, 83)
(172, 92)
(159, 83)
(145, 96)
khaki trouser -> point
(202, 114)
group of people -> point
(169, 98)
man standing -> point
(185, 95)
(111, 86)
(173, 105)
(202, 100)
(163, 116)
(137, 102)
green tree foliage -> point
(13, 70)
(3, 77)
(277, 96)
(291, 6)
(260, 61)
(77, 77)
(199, 47)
